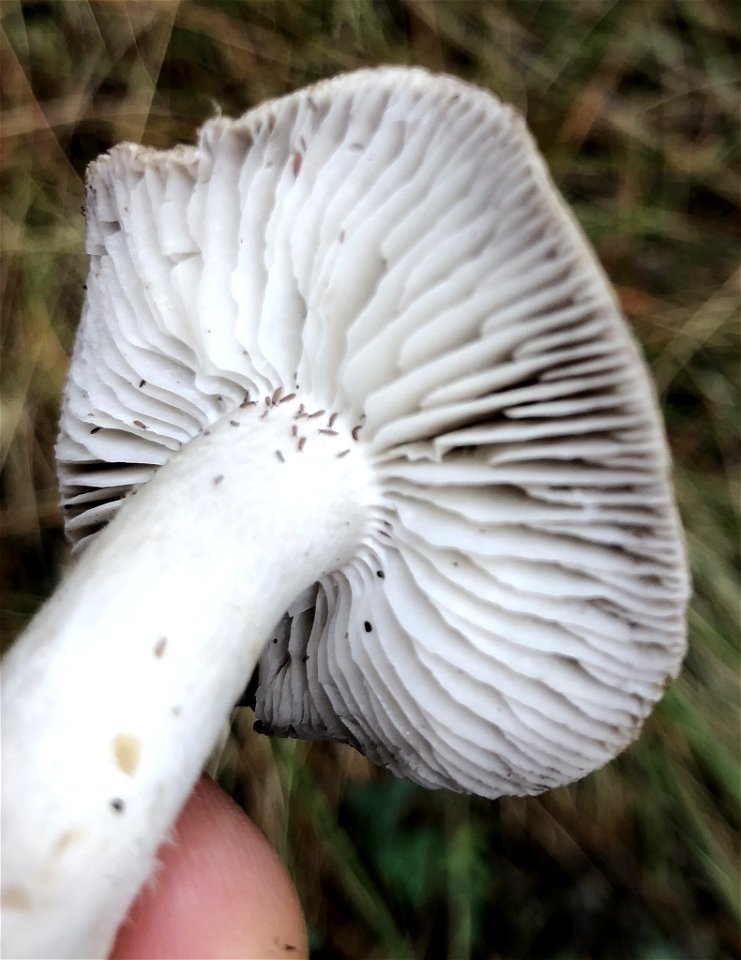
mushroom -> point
(350, 398)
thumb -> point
(220, 891)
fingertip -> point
(221, 891)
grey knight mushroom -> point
(351, 400)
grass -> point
(635, 106)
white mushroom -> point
(347, 367)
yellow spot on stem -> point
(127, 750)
(65, 840)
(15, 898)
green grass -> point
(635, 106)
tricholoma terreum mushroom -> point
(351, 400)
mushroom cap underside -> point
(388, 244)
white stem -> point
(117, 692)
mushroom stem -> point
(123, 681)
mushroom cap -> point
(389, 244)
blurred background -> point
(635, 105)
